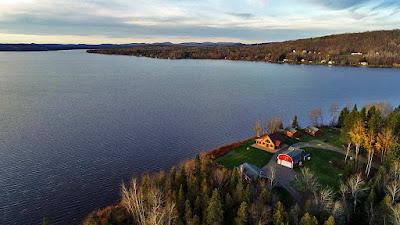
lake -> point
(74, 125)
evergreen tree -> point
(45, 221)
(343, 114)
(195, 220)
(280, 215)
(375, 120)
(238, 193)
(295, 123)
(229, 209)
(242, 214)
(180, 202)
(330, 221)
(307, 219)
(188, 212)
(215, 213)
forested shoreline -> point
(373, 49)
(200, 191)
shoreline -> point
(97, 51)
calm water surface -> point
(74, 125)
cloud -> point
(246, 20)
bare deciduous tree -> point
(307, 181)
(274, 124)
(393, 189)
(220, 177)
(147, 209)
(356, 186)
(316, 117)
(258, 128)
(272, 176)
(334, 110)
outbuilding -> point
(314, 131)
(293, 157)
(251, 172)
(292, 133)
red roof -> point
(276, 138)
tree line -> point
(377, 48)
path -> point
(322, 145)
(285, 176)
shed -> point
(292, 133)
(314, 131)
(251, 172)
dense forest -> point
(376, 48)
(200, 191)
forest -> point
(375, 49)
(200, 191)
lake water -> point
(74, 125)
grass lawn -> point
(241, 155)
(329, 135)
(327, 173)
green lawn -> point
(241, 155)
(327, 173)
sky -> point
(246, 21)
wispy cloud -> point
(190, 20)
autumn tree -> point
(370, 145)
(357, 134)
(386, 141)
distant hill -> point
(55, 47)
(376, 48)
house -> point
(251, 172)
(269, 142)
(356, 53)
(314, 131)
(292, 133)
(293, 157)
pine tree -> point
(295, 123)
(215, 213)
(343, 114)
(188, 212)
(307, 219)
(280, 215)
(180, 202)
(242, 214)
(330, 221)
(238, 193)
(229, 209)
(45, 221)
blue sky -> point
(248, 21)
